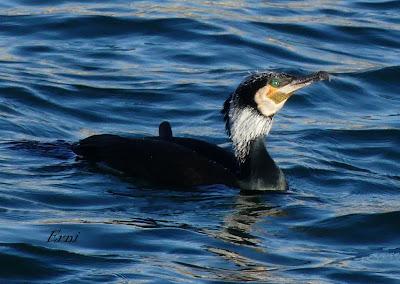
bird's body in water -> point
(175, 161)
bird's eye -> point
(275, 83)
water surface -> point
(76, 68)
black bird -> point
(174, 161)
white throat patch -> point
(266, 105)
(246, 124)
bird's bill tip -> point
(304, 81)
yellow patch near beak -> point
(269, 100)
(275, 95)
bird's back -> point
(163, 160)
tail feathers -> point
(76, 148)
(164, 130)
(85, 151)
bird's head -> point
(248, 111)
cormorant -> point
(174, 161)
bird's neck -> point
(245, 125)
(258, 171)
(247, 129)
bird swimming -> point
(185, 162)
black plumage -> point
(165, 160)
(176, 161)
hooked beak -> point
(283, 93)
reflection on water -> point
(248, 210)
(237, 228)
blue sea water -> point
(70, 68)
